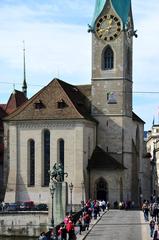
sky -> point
(57, 44)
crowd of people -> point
(70, 227)
(151, 214)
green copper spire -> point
(121, 7)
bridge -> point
(118, 225)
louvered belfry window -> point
(108, 59)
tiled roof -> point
(101, 159)
(3, 106)
(17, 98)
(77, 105)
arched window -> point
(46, 157)
(108, 59)
(61, 151)
(31, 162)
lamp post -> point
(52, 191)
(82, 185)
(71, 188)
(153, 171)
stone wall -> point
(29, 224)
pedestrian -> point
(108, 205)
(70, 230)
(103, 205)
(42, 236)
(3, 205)
(86, 219)
(152, 227)
(63, 232)
(79, 224)
(156, 233)
(145, 208)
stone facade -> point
(75, 135)
(152, 144)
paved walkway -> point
(118, 225)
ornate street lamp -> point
(52, 191)
(82, 185)
(71, 188)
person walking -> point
(63, 232)
(70, 229)
(42, 236)
(156, 233)
(79, 224)
(145, 208)
(152, 227)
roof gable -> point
(101, 159)
(44, 104)
(17, 98)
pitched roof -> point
(137, 118)
(17, 98)
(77, 105)
(122, 8)
(101, 159)
(3, 106)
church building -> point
(90, 129)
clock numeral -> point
(105, 38)
(115, 35)
(101, 20)
(111, 38)
(98, 24)
(118, 23)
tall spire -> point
(24, 87)
(122, 8)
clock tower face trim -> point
(108, 27)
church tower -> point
(112, 40)
(112, 29)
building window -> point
(108, 59)
(31, 171)
(61, 151)
(39, 105)
(46, 157)
(61, 104)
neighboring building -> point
(152, 144)
(2, 114)
(17, 98)
(90, 129)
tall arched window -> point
(108, 59)
(31, 162)
(61, 150)
(46, 157)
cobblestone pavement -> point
(118, 225)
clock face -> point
(108, 27)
